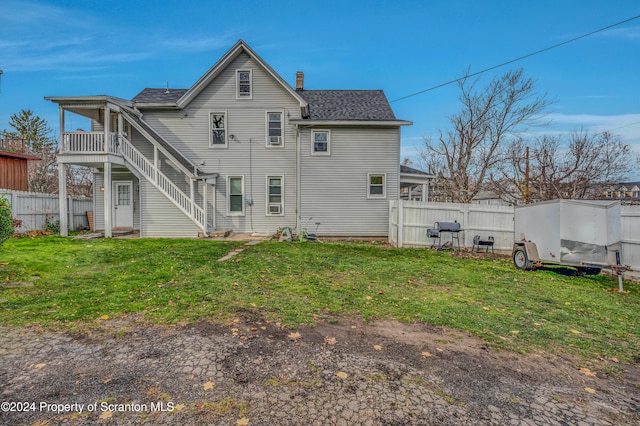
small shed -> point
(14, 157)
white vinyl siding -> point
(333, 188)
(335, 192)
(275, 195)
(218, 129)
(235, 195)
(320, 142)
(161, 217)
(376, 185)
(275, 135)
(244, 84)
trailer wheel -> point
(521, 260)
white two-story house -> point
(239, 150)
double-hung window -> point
(218, 130)
(244, 82)
(376, 185)
(275, 135)
(235, 195)
(320, 142)
(275, 206)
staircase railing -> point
(162, 183)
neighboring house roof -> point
(359, 105)
(16, 155)
(630, 184)
(412, 171)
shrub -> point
(7, 224)
(52, 226)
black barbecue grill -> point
(439, 228)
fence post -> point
(400, 223)
(70, 214)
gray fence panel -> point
(35, 209)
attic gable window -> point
(218, 130)
(244, 84)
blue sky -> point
(117, 48)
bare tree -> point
(548, 168)
(465, 156)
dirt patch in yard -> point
(250, 371)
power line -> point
(519, 58)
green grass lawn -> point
(167, 281)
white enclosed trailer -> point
(584, 234)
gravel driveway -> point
(253, 372)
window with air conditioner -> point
(275, 135)
(275, 196)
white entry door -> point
(123, 204)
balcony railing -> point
(15, 145)
(89, 142)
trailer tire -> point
(521, 260)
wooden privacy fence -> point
(35, 210)
(409, 221)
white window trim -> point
(229, 212)
(384, 186)
(313, 138)
(226, 130)
(268, 213)
(267, 141)
(238, 71)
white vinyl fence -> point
(35, 210)
(409, 221)
(630, 225)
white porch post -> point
(120, 130)
(425, 192)
(107, 201)
(107, 127)
(61, 147)
(204, 205)
(62, 199)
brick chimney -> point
(299, 80)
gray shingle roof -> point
(411, 170)
(158, 96)
(363, 105)
(342, 105)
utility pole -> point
(1, 72)
(526, 177)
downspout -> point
(297, 177)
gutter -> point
(372, 123)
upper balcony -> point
(90, 148)
(89, 143)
